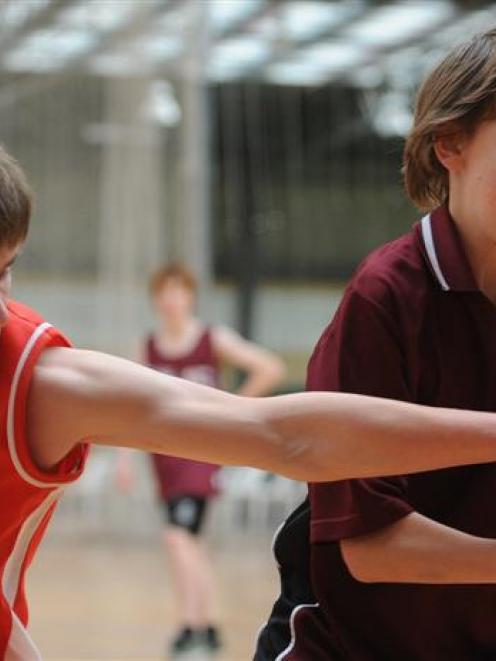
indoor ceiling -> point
(288, 42)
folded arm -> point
(419, 550)
(80, 396)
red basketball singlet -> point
(28, 495)
(175, 476)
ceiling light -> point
(241, 52)
(296, 73)
(100, 15)
(232, 58)
(12, 15)
(158, 48)
(396, 23)
(224, 14)
(304, 20)
(65, 43)
(52, 48)
(333, 56)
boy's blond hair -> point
(456, 96)
(177, 272)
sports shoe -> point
(212, 638)
(185, 641)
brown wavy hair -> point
(16, 201)
(457, 95)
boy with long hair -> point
(404, 567)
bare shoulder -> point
(55, 366)
(52, 405)
(67, 368)
(72, 396)
(78, 378)
(64, 376)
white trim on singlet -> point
(20, 646)
(274, 540)
(292, 626)
(38, 332)
(426, 224)
(12, 570)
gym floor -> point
(98, 600)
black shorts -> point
(292, 551)
(186, 512)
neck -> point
(480, 249)
(177, 328)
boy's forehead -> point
(175, 282)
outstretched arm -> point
(80, 396)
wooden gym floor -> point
(98, 600)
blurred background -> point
(259, 141)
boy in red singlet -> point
(184, 347)
(54, 400)
(403, 568)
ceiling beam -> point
(136, 24)
(244, 25)
(22, 86)
(375, 54)
(36, 21)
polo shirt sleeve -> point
(360, 352)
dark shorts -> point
(186, 512)
(295, 631)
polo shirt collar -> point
(444, 251)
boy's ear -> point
(449, 149)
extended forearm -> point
(309, 436)
(419, 550)
(338, 436)
(326, 436)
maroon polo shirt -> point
(412, 326)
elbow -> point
(294, 454)
(298, 460)
(287, 456)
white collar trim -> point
(430, 246)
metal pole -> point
(193, 235)
(131, 237)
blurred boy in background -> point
(186, 347)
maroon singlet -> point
(175, 476)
